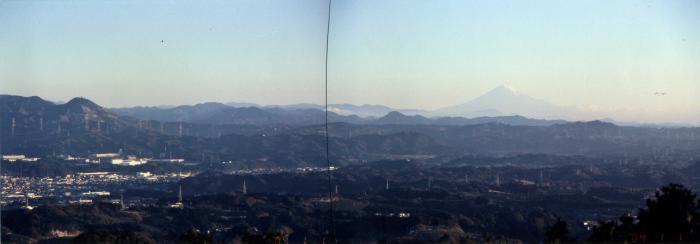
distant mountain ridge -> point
(81, 127)
(218, 113)
(396, 117)
(181, 113)
(399, 118)
(500, 105)
(78, 109)
(504, 100)
(498, 102)
(503, 104)
(36, 114)
(369, 110)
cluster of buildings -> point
(315, 169)
(18, 157)
(262, 171)
(401, 215)
(128, 160)
(80, 188)
(118, 159)
(109, 158)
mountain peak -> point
(508, 101)
(395, 117)
(85, 106)
(394, 114)
(80, 101)
(504, 90)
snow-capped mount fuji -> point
(504, 100)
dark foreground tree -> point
(670, 216)
(611, 231)
(274, 237)
(111, 236)
(557, 233)
(195, 236)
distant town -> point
(87, 187)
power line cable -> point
(331, 232)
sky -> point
(610, 58)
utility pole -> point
(179, 196)
(13, 126)
(121, 202)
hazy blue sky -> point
(111, 51)
(603, 56)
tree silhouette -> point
(274, 237)
(194, 236)
(557, 233)
(111, 236)
(670, 216)
(611, 231)
(605, 232)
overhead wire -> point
(331, 230)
